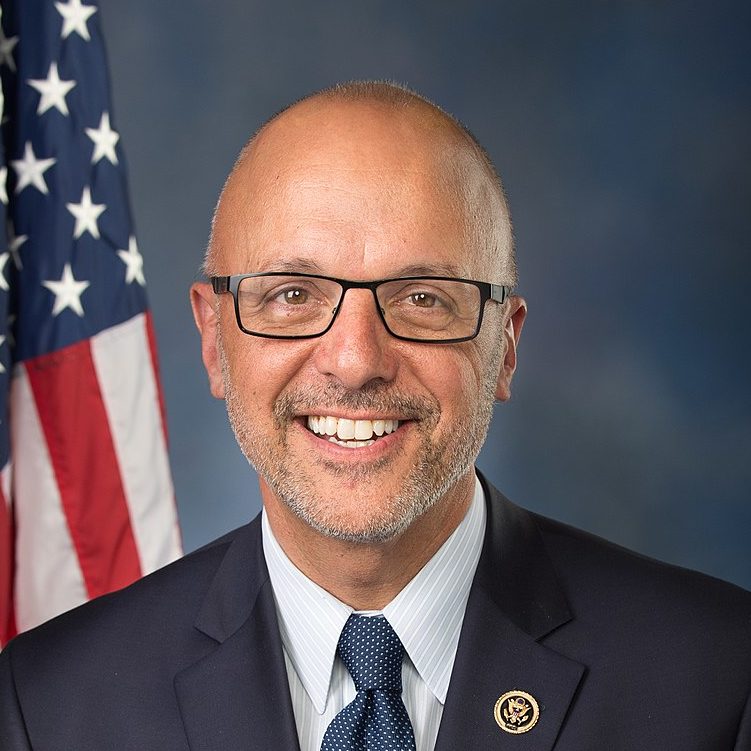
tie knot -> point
(372, 652)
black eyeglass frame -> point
(496, 292)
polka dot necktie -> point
(376, 719)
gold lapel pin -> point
(516, 712)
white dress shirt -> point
(427, 616)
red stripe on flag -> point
(151, 336)
(74, 421)
(7, 624)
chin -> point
(364, 523)
(354, 531)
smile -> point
(350, 433)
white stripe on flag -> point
(48, 576)
(5, 478)
(125, 372)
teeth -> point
(352, 433)
(363, 430)
(346, 429)
(330, 428)
(351, 444)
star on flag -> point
(53, 91)
(75, 15)
(4, 185)
(133, 261)
(86, 214)
(67, 291)
(30, 170)
(105, 139)
(3, 281)
(7, 45)
(14, 244)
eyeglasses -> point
(279, 305)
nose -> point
(357, 348)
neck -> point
(367, 576)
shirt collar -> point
(427, 614)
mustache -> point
(373, 397)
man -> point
(359, 325)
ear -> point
(511, 332)
(202, 300)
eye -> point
(292, 296)
(424, 300)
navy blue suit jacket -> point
(621, 652)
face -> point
(366, 197)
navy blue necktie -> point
(376, 719)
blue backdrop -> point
(622, 132)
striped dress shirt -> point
(427, 616)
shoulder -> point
(654, 640)
(155, 613)
(593, 569)
(108, 668)
(603, 582)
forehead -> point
(357, 191)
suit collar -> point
(516, 600)
(515, 570)
(236, 696)
(236, 585)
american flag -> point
(86, 496)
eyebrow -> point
(307, 265)
(439, 269)
(296, 264)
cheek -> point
(455, 379)
(259, 370)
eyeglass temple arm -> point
(499, 292)
(220, 284)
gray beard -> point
(436, 469)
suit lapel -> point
(236, 697)
(515, 601)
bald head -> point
(406, 146)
